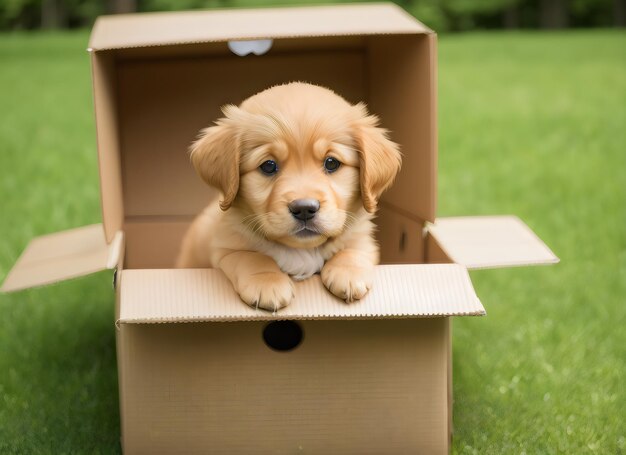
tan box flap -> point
(159, 29)
(479, 242)
(63, 255)
(399, 291)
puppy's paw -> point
(347, 282)
(268, 290)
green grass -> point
(530, 123)
(534, 124)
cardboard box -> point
(199, 371)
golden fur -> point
(251, 234)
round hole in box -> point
(282, 335)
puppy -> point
(300, 171)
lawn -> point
(530, 123)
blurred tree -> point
(511, 15)
(69, 13)
(553, 14)
(430, 13)
(53, 14)
(465, 13)
(587, 13)
(619, 13)
(19, 14)
(122, 6)
(175, 5)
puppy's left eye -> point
(331, 164)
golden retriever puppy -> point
(300, 171)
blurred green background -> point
(531, 123)
(440, 15)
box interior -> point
(152, 102)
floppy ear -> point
(379, 158)
(215, 155)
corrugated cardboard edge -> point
(106, 25)
(278, 316)
(206, 295)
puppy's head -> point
(299, 160)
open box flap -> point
(399, 291)
(64, 255)
(479, 242)
(159, 29)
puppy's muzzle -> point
(304, 209)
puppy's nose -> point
(304, 209)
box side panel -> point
(107, 133)
(434, 253)
(152, 243)
(350, 387)
(402, 87)
(178, 97)
(121, 347)
(449, 376)
(400, 237)
(120, 344)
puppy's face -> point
(299, 161)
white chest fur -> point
(299, 263)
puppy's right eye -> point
(269, 167)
